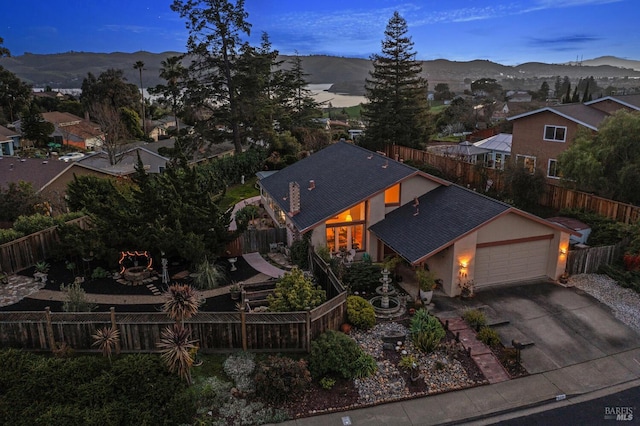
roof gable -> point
(579, 113)
(343, 174)
(443, 215)
(630, 101)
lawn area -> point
(237, 193)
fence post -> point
(112, 311)
(243, 326)
(51, 338)
(308, 339)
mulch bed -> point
(58, 275)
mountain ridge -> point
(67, 70)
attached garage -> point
(502, 263)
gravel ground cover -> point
(624, 302)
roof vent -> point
(312, 184)
(386, 164)
(45, 162)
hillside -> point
(67, 70)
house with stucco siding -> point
(352, 200)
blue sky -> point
(509, 32)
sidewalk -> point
(580, 382)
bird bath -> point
(232, 262)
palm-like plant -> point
(139, 65)
(176, 347)
(182, 302)
(106, 339)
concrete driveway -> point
(561, 326)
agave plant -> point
(176, 347)
(182, 302)
(106, 339)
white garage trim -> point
(501, 263)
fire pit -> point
(136, 274)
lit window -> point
(392, 196)
(527, 162)
(555, 133)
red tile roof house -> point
(350, 198)
(74, 131)
(540, 136)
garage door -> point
(511, 262)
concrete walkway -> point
(253, 200)
(257, 262)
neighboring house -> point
(498, 150)
(349, 198)
(48, 177)
(160, 129)
(518, 96)
(72, 130)
(540, 136)
(464, 151)
(9, 141)
(126, 162)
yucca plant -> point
(181, 302)
(176, 347)
(106, 339)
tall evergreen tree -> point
(216, 29)
(35, 128)
(397, 111)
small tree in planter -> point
(427, 283)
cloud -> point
(562, 43)
(559, 4)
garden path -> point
(238, 206)
(257, 262)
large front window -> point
(345, 231)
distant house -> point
(71, 130)
(9, 141)
(518, 96)
(498, 150)
(463, 151)
(126, 162)
(354, 201)
(540, 136)
(161, 129)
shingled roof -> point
(579, 113)
(344, 175)
(443, 215)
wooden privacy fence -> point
(25, 252)
(588, 260)
(557, 197)
(253, 240)
(140, 332)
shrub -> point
(279, 377)
(488, 336)
(327, 383)
(7, 235)
(474, 318)
(362, 276)
(76, 299)
(360, 313)
(34, 223)
(364, 366)
(239, 368)
(300, 251)
(295, 292)
(99, 273)
(408, 362)
(426, 331)
(208, 275)
(334, 353)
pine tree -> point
(397, 111)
